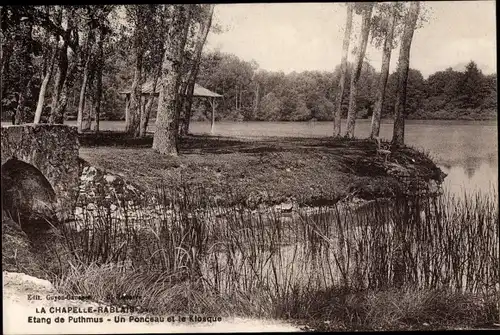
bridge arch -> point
(43, 156)
(27, 196)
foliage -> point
(443, 95)
(249, 93)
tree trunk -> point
(20, 117)
(337, 114)
(99, 67)
(87, 112)
(201, 39)
(57, 111)
(85, 82)
(165, 139)
(98, 86)
(403, 68)
(149, 106)
(62, 69)
(237, 94)
(142, 111)
(147, 115)
(98, 95)
(81, 102)
(24, 45)
(181, 101)
(7, 49)
(132, 118)
(241, 99)
(43, 88)
(384, 75)
(365, 31)
(256, 102)
(57, 116)
(184, 66)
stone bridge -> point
(40, 171)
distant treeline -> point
(253, 94)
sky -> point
(308, 36)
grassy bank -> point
(267, 170)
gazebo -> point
(199, 92)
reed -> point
(189, 253)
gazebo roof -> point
(199, 91)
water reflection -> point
(471, 176)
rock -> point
(286, 207)
(109, 178)
(91, 207)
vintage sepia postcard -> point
(249, 167)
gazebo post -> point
(127, 116)
(212, 123)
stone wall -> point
(53, 150)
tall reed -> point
(271, 260)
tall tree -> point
(165, 139)
(9, 21)
(140, 15)
(201, 37)
(99, 64)
(25, 47)
(17, 66)
(49, 69)
(470, 87)
(343, 70)
(153, 61)
(68, 32)
(403, 68)
(89, 50)
(49, 61)
(91, 89)
(62, 69)
(365, 9)
(387, 26)
(185, 57)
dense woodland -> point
(72, 62)
(253, 94)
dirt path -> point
(18, 288)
